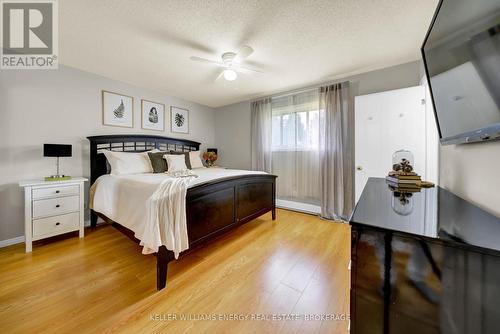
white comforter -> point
(125, 198)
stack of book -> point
(404, 180)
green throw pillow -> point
(157, 162)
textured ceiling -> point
(297, 43)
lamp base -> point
(57, 178)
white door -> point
(385, 123)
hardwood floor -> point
(102, 283)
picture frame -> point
(152, 115)
(117, 109)
(179, 120)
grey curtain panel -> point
(261, 135)
(336, 151)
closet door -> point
(387, 122)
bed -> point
(218, 202)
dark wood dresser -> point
(429, 263)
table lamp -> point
(57, 150)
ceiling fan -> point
(231, 62)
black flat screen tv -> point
(461, 53)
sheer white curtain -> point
(261, 135)
(306, 139)
(295, 147)
(336, 151)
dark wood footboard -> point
(216, 207)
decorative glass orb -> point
(402, 160)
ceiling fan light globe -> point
(230, 75)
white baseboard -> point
(20, 239)
(13, 241)
(297, 206)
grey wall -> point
(64, 106)
(232, 123)
(232, 135)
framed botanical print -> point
(153, 115)
(117, 109)
(179, 120)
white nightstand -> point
(52, 208)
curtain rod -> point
(293, 92)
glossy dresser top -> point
(432, 213)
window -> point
(295, 146)
(296, 122)
(296, 131)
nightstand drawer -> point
(55, 206)
(55, 191)
(56, 225)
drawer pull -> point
(55, 191)
(55, 206)
(45, 227)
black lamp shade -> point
(212, 150)
(56, 150)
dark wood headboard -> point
(131, 143)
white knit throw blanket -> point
(166, 220)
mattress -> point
(123, 198)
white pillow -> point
(175, 162)
(128, 162)
(195, 160)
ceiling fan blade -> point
(244, 52)
(219, 76)
(203, 60)
(248, 69)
